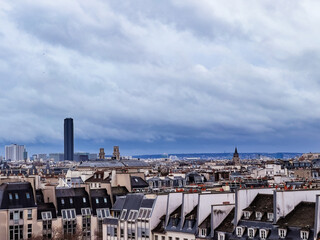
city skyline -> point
(169, 77)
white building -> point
(14, 152)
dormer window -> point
(251, 232)
(46, 215)
(123, 214)
(84, 200)
(97, 200)
(203, 232)
(28, 195)
(62, 201)
(174, 222)
(263, 234)
(105, 200)
(221, 236)
(16, 196)
(71, 201)
(258, 215)
(10, 196)
(282, 232)
(304, 235)
(246, 214)
(189, 224)
(85, 211)
(239, 231)
(270, 217)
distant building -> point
(116, 153)
(81, 156)
(236, 159)
(93, 156)
(42, 156)
(14, 152)
(101, 154)
(56, 156)
(68, 139)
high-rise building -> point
(14, 152)
(68, 139)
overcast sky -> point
(161, 76)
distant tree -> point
(58, 234)
(97, 235)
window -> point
(46, 215)
(10, 196)
(251, 232)
(16, 216)
(263, 234)
(68, 214)
(29, 214)
(15, 232)
(189, 224)
(84, 199)
(155, 237)
(282, 232)
(239, 231)
(69, 221)
(16, 196)
(258, 215)
(177, 238)
(103, 213)
(71, 201)
(203, 232)
(46, 225)
(132, 215)
(270, 216)
(163, 238)
(105, 200)
(62, 201)
(28, 195)
(141, 213)
(304, 235)
(86, 222)
(123, 214)
(121, 232)
(97, 200)
(220, 236)
(246, 214)
(170, 238)
(85, 211)
(29, 230)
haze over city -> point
(161, 76)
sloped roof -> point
(138, 182)
(261, 203)
(227, 224)
(301, 216)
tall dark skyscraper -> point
(68, 139)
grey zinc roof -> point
(135, 163)
(111, 221)
(118, 205)
(147, 203)
(70, 192)
(102, 164)
(133, 201)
